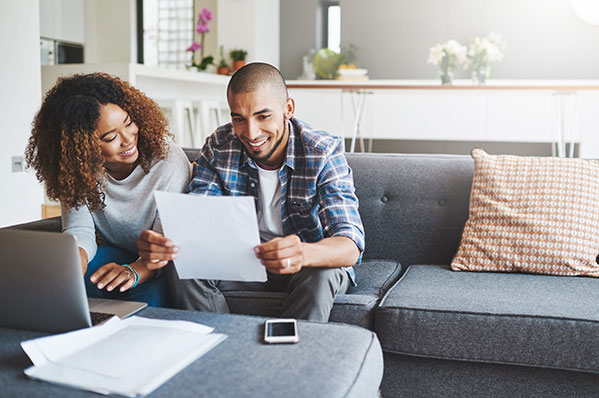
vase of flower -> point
(482, 53)
(446, 77)
(448, 56)
(479, 76)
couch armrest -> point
(53, 224)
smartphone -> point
(280, 331)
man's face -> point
(260, 121)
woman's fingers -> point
(112, 276)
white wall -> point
(20, 85)
(110, 31)
(545, 40)
(299, 33)
(252, 25)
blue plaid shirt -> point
(316, 182)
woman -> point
(100, 146)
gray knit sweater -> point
(130, 206)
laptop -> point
(42, 287)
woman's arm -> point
(83, 255)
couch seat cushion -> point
(523, 319)
(356, 307)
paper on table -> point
(216, 235)
(129, 357)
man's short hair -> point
(256, 75)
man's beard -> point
(264, 159)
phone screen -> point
(277, 329)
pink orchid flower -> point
(206, 15)
(201, 28)
(194, 46)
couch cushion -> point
(532, 214)
(356, 307)
(413, 207)
(492, 317)
(53, 224)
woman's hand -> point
(113, 275)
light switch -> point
(18, 164)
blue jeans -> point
(155, 292)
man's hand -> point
(282, 255)
(155, 250)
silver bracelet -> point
(135, 274)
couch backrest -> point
(413, 207)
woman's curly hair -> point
(64, 147)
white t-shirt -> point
(269, 204)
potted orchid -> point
(482, 52)
(202, 28)
(448, 56)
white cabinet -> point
(63, 20)
(504, 111)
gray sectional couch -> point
(446, 333)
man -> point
(307, 210)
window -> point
(331, 12)
(167, 32)
(334, 27)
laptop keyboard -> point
(98, 317)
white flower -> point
(451, 53)
(435, 54)
(484, 51)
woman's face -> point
(118, 140)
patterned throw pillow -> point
(531, 214)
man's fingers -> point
(156, 256)
(284, 266)
(279, 254)
(155, 265)
(154, 248)
(153, 237)
(278, 244)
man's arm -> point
(340, 219)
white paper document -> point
(216, 236)
(130, 357)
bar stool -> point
(181, 121)
(359, 104)
(209, 115)
(566, 123)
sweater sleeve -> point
(80, 224)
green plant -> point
(208, 60)
(238, 54)
(349, 55)
(222, 63)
